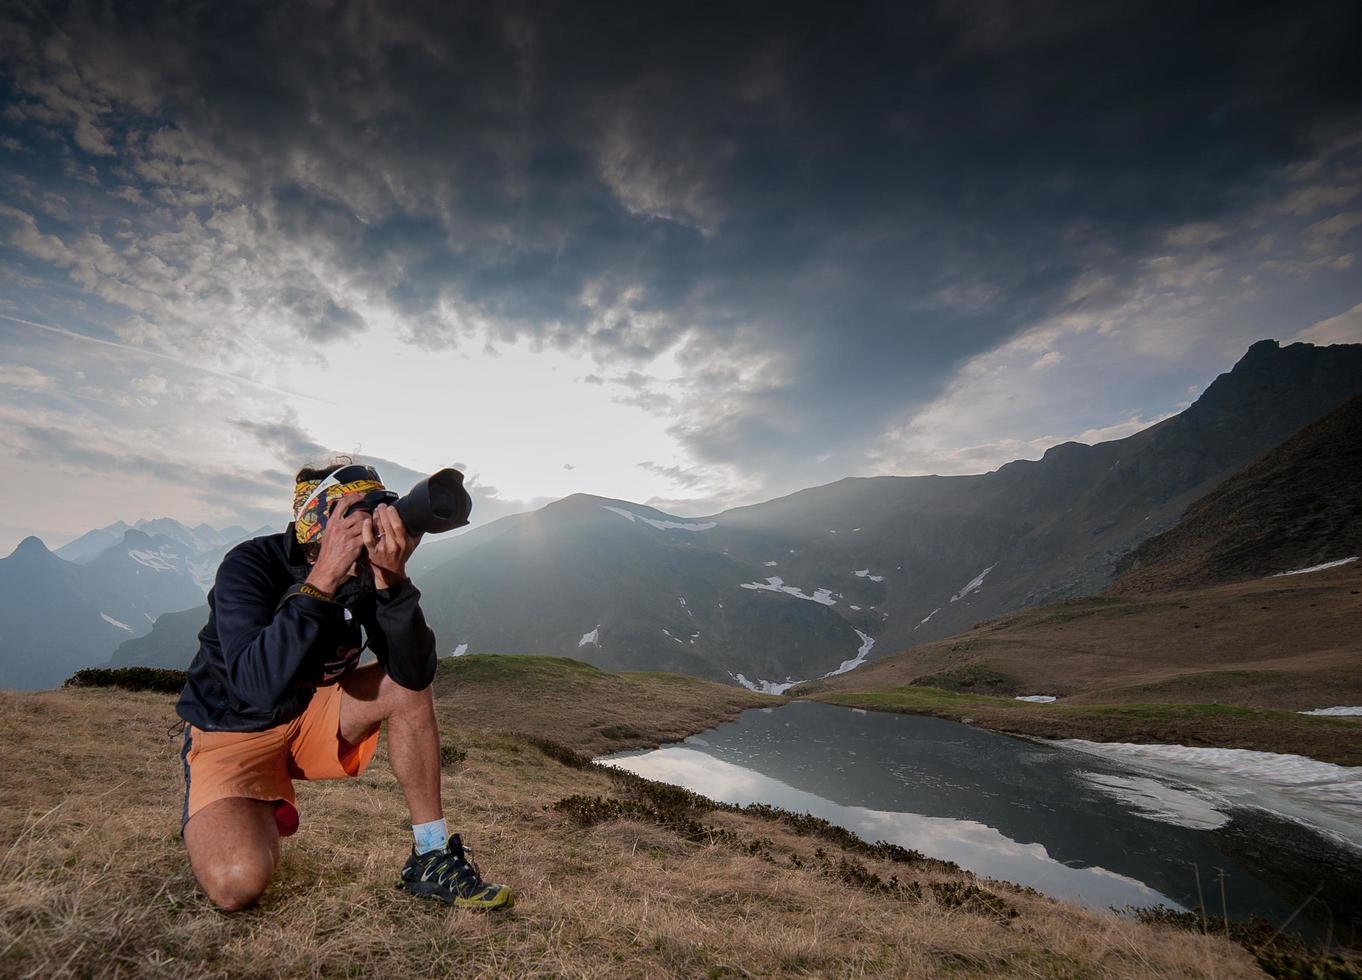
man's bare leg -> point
(369, 696)
(233, 847)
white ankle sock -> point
(430, 836)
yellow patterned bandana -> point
(312, 498)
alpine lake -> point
(1105, 833)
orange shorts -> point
(263, 765)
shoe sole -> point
(504, 899)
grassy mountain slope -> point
(1298, 506)
(1228, 666)
(614, 876)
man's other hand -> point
(342, 540)
(390, 544)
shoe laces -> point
(457, 863)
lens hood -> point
(437, 504)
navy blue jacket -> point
(267, 647)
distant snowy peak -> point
(661, 525)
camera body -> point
(437, 504)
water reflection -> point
(967, 842)
(1065, 823)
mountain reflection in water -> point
(1065, 823)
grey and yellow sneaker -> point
(450, 875)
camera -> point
(437, 504)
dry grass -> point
(93, 881)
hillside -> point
(1229, 666)
(58, 614)
(1297, 507)
(172, 642)
(642, 881)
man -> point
(276, 694)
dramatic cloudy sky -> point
(650, 251)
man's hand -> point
(341, 544)
(390, 544)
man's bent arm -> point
(403, 642)
(263, 649)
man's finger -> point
(392, 525)
(366, 529)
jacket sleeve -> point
(263, 647)
(401, 640)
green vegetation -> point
(973, 678)
(129, 678)
(514, 668)
(1209, 685)
(1328, 739)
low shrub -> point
(161, 679)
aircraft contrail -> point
(62, 331)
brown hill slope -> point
(1299, 505)
(1152, 668)
(642, 882)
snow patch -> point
(764, 687)
(593, 637)
(460, 650)
(152, 559)
(204, 573)
(867, 642)
(857, 608)
(674, 638)
(661, 525)
(865, 573)
(771, 564)
(1320, 784)
(1333, 711)
(777, 584)
(772, 687)
(973, 585)
(1317, 568)
(1036, 698)
(1181, 807)
(929, 616)
(113, 622)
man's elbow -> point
(416, 678)
(252, 692)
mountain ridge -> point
(798, 587)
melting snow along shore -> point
(1317, 793)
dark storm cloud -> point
(822, 210)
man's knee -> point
(235, 884)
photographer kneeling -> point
(276, 694)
